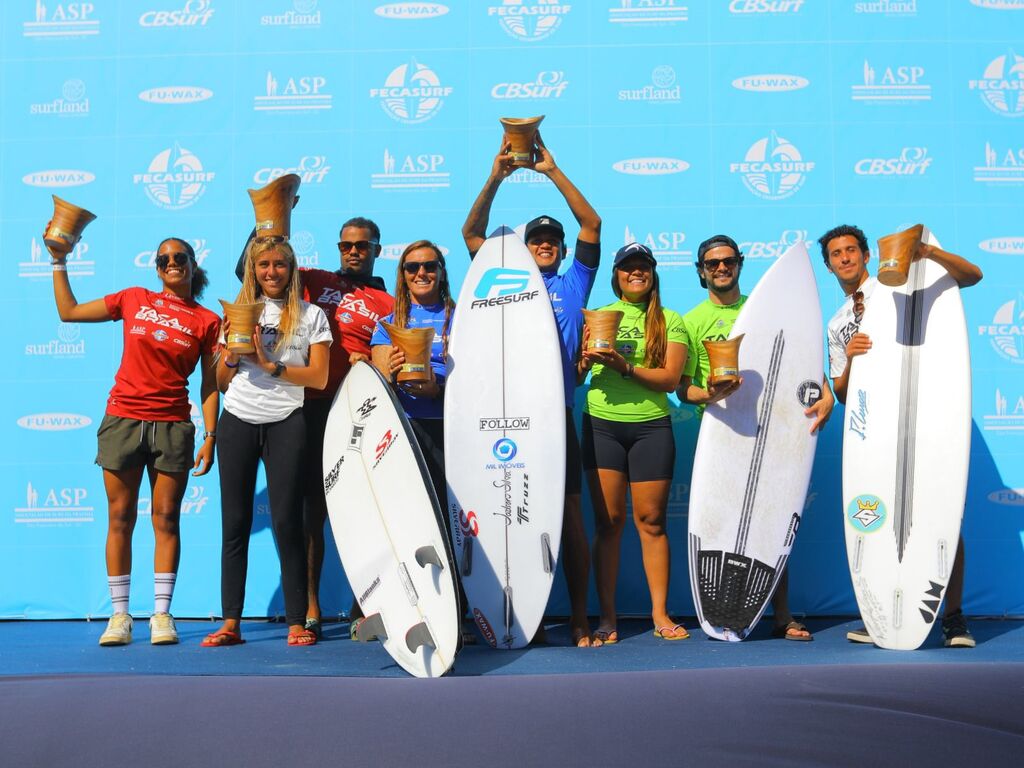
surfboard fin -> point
(545, 553)
(418, 636)
(466, 566)
(427, 555)
(509, 615)
(372, 628)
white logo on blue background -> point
(72, 102)
(892, 85)
(1007, 330)
(887, 7)
(1001, 167)
(311, 169)
(175, 179)
(423, 171)
(773, 168)
(194, 13)
(1002, 85)
(411, 10)
(549, 84)
(765, 6)
(412, 93)
(662, 12)
(771, 83)
(530, 20)
(505, 449)
(304, 13)
(175, 94)
(295, 94)
(650, 166)
(1011, 245)
(764, 249)
(912, 161)
(58, 178)
(62, 20)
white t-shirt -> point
(254, 395)
(842, 327)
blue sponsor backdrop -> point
(661, 111)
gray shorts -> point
(168, 446)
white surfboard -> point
(754, 453)
(906, 449)
(504, 441)
(388, 527)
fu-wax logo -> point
(175, 94)
(411, 10)
(770, 83)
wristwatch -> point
(279, 368)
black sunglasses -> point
(713, 264)
(363, 246)
(180, 259)
(413, 267)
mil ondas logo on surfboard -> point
(866, 513)
(500, 286)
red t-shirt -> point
(352, 310)
(164, 339)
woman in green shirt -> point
(627, 434)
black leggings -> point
(240, 447)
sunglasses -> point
(413, 267)
(180, 259)
(858, 306)
(363, 246)
(713, 264)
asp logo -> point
(305, 93)
(1002, 166)
(1006, 332)
(412, 93)
(62, 20)
(773, 168)
(175, 179)
(195, 13)
(1002, 85)
(912, 161)
(411, 10)
(530, 20)
(892, 84)
(499, 282)
(66, 505)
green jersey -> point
(615, 398)
(707, 322)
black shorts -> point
(573, 471)
(642, 451)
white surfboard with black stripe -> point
(754, 453)
(505, 441)
(906, 450)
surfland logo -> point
(1001, 86)
(68, 345)
(662, 89)
(548, 84)
(772, 249)
(62, 177)
(529, 20)
(412, 93)
(72, 102)
(765, 6)
(175, 179)
(176, 94)
(54, 422)
(147, 259)
(902, 84)
(57, 20)
(38, 265)
(411, 10)
(194, 13)
(306, 93)
(1006, 332)
(911, 161)
(775, 83)
(650, 166)
(55, 505)
(663, 12)
(1004, 245)
(887, 7)
(424, 171)
(1007, 416)
(773, 168)
(312, 169)
(303, 14)
(668, 246)
(304, 245)
(1004, 167)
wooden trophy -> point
(522, 134)
(723, 360)
(66, 226)
(416, 344)
(273, 206)
(895, 252)
(604, 327)
(243, 319)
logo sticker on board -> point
(866, 513)
(505, 449)
(808, 393)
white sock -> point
(120, 586)
(163, 591)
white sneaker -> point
(118, 631)
(162, 630)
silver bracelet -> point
(59, 266)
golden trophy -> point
(66, 226)
(895, 252)
(273, 206)
(416, 344)
(604, 327)
(243, 319)
(723, 360)
(522, 133)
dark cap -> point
(634, 249)
(713, 242)
(543, 222)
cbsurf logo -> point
(1003, 166)
(1006, 245)
(312, 169)
(421, 171)
(194, 13)
(38, 265)
(650, 166)
(303, 14)
(68, 344)
(773, 83)
(911, 161)
(412, 93)
(1012, 497)
(54, 505)
(411, 10)
(900, 84)
(887, 7)
(72, 102)
(663, 88)
(668, 246)
(866, 513)
(58, 177)
(500, 286)
(1001, 85)
(773, 168)
(175, 94)
(147, 259)
(54, 422)
(771, 249)
(62, 20)
(305, 93)
(195, 500)
(1007, 414)
(175, 179)
(765, 6)
(663, 12)
(548, 84)
(1006, 332)
(529, 20)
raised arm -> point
(474, 231)
(582, 210)
(960, 269)
(68, 308)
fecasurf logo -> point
(175, 178)
(1009, 245)
(1006, 333)
(304, 14)
(911, 161)
(1002, 85)
(56, 505)
(296, 94)
(762, 249)
(312, 169)
(774, 83)
(662, 89)
(58, 178)
(765, 6)
(54, 422)
(887, 7)
(175, 94)
(147, 259)
(69, 344)
(411, 10)
(666, 245)
(1008, 415)
(38, 265)
(412, 93)
(529, 20)
(650, 166)
(546, 85)
(72, 102)
(901, 83)
(422, 171)
(647, 13)
(773, 168)
(194, 13)
(1002, 167)
(62, 20)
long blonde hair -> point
(403, 300)
(291, 313)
